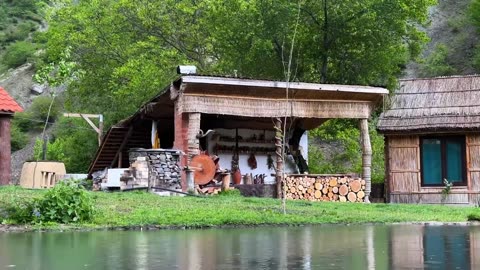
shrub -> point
(23, 121)
(19, 32)
(473, 217)
(75, 144)
(437, 64)
(17, 209)
(18, 53)
(67, 202)
(18, 138)
(40, 106)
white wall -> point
(262, 168)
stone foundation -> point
(163, 166)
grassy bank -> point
(142, 209)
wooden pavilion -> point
(193, 103)
(432, 134)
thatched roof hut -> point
(442, 104)
(432, 136)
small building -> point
(8, 107)
(432, 135)
(244, 115)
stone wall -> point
(163, 166)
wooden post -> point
(190, 181)
(226, 181)
(279, 154)
(5, 151)
(366, 158)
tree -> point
(128, 49)
(124, 52)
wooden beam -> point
(366, 158)
(90, 123)
(86, 117)
(81, 115)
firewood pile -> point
(325, 188)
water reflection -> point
(317, 247)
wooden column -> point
(5, 151)
(366, 158)
(279, 156)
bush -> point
(437, 64)
(40, 106)
(18, 53)
(18, 138)
(75, 144)
(19, 32)
(23, 121)
(67, 202)
(473, 217)
(17, 209)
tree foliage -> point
(127, 50)
(73, 143)
(436, 64)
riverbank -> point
(144, 210)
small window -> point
(443, 158)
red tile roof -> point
(7, 103)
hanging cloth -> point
(154, 136)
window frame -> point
(443, 158)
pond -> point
(310, 247)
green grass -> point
(143, 209)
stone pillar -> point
(180, 129)
(187, 126)
(366, 158)
(5, 150)
(193, 143)
(190, 181)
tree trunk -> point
(366, 158)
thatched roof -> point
(442, 104)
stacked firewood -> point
(321, 188)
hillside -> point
(20, 31)
(453, 40)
